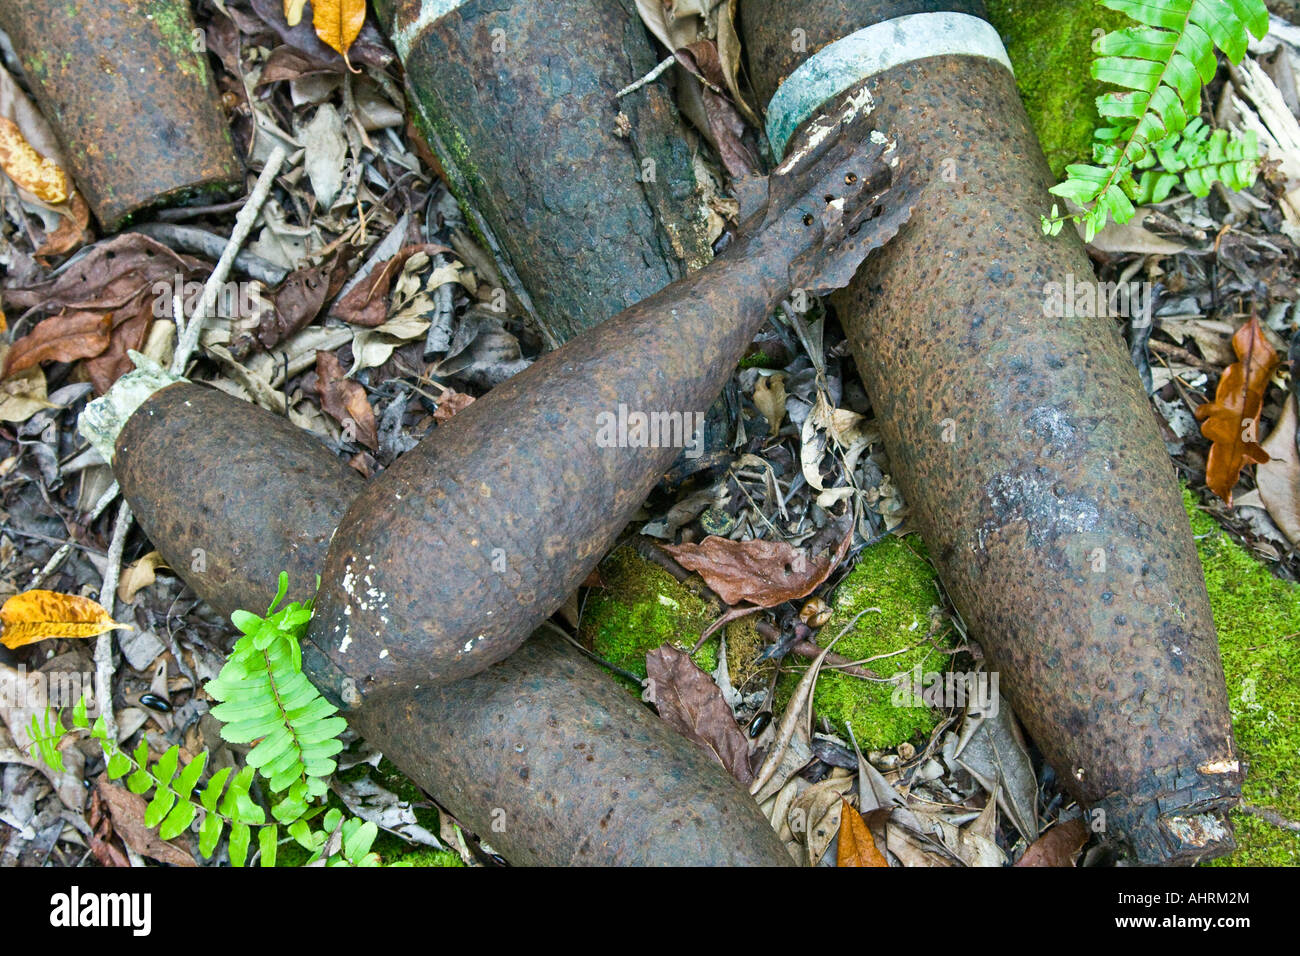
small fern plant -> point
(266, 700)
(1154, 137)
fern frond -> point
(1160, 66)
(265, 700)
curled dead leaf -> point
(61, 338)
(766, 573)
(139, 575)
(345, 401)
(40, 615)
(691, 702)
(1231, 421)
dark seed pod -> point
(544, 755)
(154, 702)
(1023, 444)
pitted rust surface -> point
(546, 744)
(132, 103)
(518, 102)
(190, 465)
(1053, 513)
(454, 555)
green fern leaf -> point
(1160, 67)
(239, 834)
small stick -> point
(58, 557)
(107, 598)
(189, 339)
(650, 77)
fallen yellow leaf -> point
(293, 11)
(29, 169)
(338, 22)
(40, 615)
(856, 846)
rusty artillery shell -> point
(454, 556)
(1024, 443)
(130, 96)
(544, 754)
(588, 202)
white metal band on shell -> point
(871, 50)
(431, 11)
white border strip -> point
(871, 50)
(404, 37)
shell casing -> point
(1023, 442)
(131, 98)
(544, 755)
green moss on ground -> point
(427, 857)
(895, 577)
(641, 607)
(1258, 620)
(1050, 46)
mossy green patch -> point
(1258, 620)
(641, 607)
(427, 857)
(1050, 46)
(883, 606)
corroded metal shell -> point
(464, 546)
(588, 201)
(130, 96)
(1027, 449)
(543, 755)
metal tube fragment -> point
(1024, 443)
(130, 96)
(588, 202)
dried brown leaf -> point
(127, 812)
(1279, 478)
(691, 702)
(366, 303)
(1231, 421)
(1059, 846)
(61, 338)
(345, 400)
(449, 403)
(766, 573)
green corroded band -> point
(871, 50)
(431, 11)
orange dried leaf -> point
(856, 847)
(338, 22)
(35, 173)
(40, 615)
(1231, 421)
